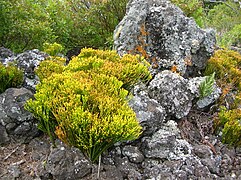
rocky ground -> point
(178, 140)
(208, 159)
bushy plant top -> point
(226, 64)
(85, 104)
(10, 76)
(231, 122)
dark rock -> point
(67, 163)
(133, 153)
(127, 168)
(3, 135)
(5, 54)
(202, 151)
(15, 119)
(166, 34)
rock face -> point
(67, 163)
(13, 117)
(160, 31)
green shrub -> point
(226, 64)
(10, 76)
(223, 18)
(52, 49)
(231, 120)
(49, 66)
(86, 105)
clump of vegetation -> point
(52, 49)
(28, 24)
(206, 87)
(10, 76)
(86, 103)
(231, 121)
(49, 66)
(226, 64)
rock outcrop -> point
(160, 31)
(14, 119)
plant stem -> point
(98, 173)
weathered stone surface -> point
(170, 90)
(148, 111)
(133, 153)
(26, 61)
(166, 34)
(13, 117)
(166, 143)
(3, 135)
(67, 163)
(4, 54)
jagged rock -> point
(175, 93)
(4, 138)
(5, 54)
(202, 151)
(28, 61)
(166, 35)
(171, 91)
(166, 143)
(14, 118)
(148, 111)
(133, 153)
(67, 163)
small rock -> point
(133, 154)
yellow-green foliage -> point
(10, 76)
(226, 64)
(231, 133)
(52, 49)
(129, 69)
(86, 105)
(49, 66)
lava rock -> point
(67, 163)
(133, 153)
(171, 91)
(14, 118)
(148, 111)
(168, 37)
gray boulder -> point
(13, 117)
(193, 86)
(168, 37)
(67, 163)
(176, 93)
(170, 90)
(148, 111)
(166, 143)
(28, 61)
